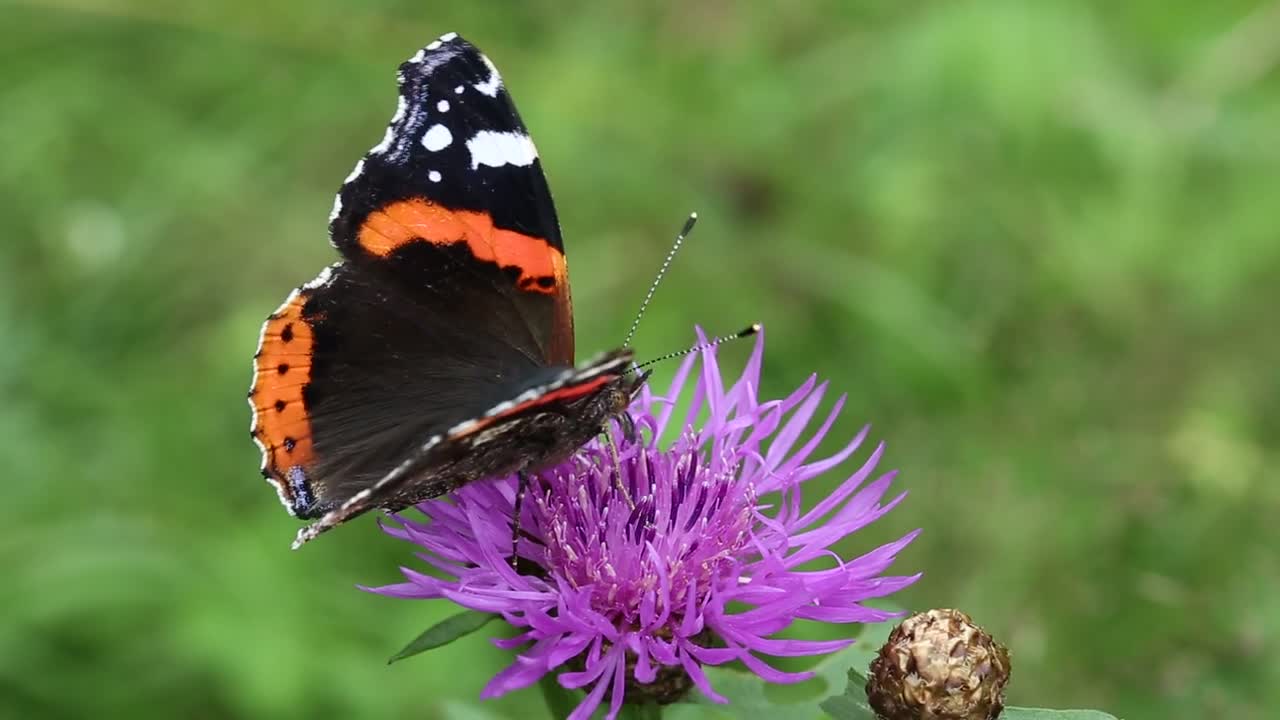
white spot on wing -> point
(337, 207)
(496, 149)
(443, 106)
(433, 176)
(436, 138)
(457, 90)
(490, 87)
(449, 37)
(417, 57)
(435, 45)
(401, 106)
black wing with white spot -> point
(455, 140)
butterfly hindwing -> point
(533, 429)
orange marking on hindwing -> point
(542, 267)
(282, 368)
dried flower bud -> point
(938, 665)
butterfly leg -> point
(522, 487)
(628, 426)
(617, 467)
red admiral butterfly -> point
(439, 350)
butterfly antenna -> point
(675, 247)
(745, 332)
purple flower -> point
(637, 572)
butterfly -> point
(439, 350)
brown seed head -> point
(938, 665)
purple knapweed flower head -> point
(639, 556)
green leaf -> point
(852, 705)
(1021, 713)
(560, 701)
(445, 632)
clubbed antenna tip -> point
(748, 331)
(653, 287)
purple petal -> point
(772, 674)
(846, 488)
(521, 673)
(796, 648)
(589, 703)
(795, 425)
(712, 656)
(411, 591)
(787, 468)
(811, 470)
(700, 681)
(619, 686)
(645, 671)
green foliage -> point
(852, 703)
(445, 632)
(1035, 242)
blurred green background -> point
(1038, 243)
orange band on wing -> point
(542, 267)
(282, 369)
